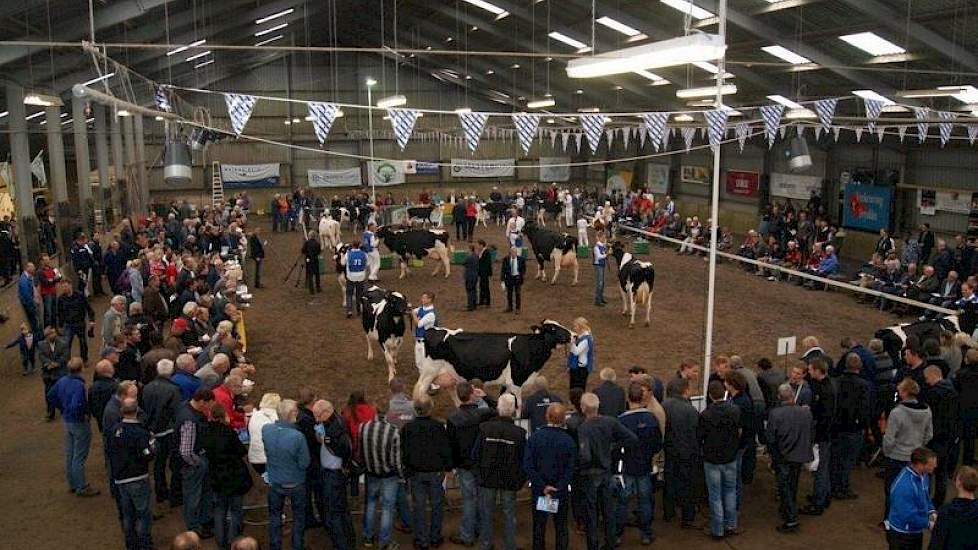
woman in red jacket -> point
(47, 279)
(357, 413)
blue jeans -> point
(30, 311)
(846, 448)
(336, 513)
(276, 505)
(403, 507)
(78, 438)
(641, 488)
(49, 310)
(469, 487)
(383, 489)
(721, 483)
(599, 284)
(740, 477)
(72, 332)
(787, 478)
(821, 480)
(134, 499)
(197, 495)
(426, 487)
(228, 516)
(487, 505)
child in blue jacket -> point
(28, 349)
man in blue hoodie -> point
(549, 462)
(911, 510)
(69, 396)
(635, 463)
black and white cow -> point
(895, 337)
(559, 248)
(506, 359)
(383, 321)
(420, 214)
(418, 243)
(545, 207)
(498, 210)
(341, 269)
(636, 280)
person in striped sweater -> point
(380, 455)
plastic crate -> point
(458, 257)
(416, 263)
(640, 247)
(447, 220)
(583, 251)
(322, 265)
(387, 262)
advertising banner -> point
(795, 187)
(244, 176)
(382, 172)
(927, 200)
(953, 201)
(657, 178)
(742, 184)
(427, 168)
(619, 177)
(867, 207)
(696, 174)
(548, 172)
(495, 168)
(345, 177)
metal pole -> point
(714, 213)
(103, 198)
(132, 179)
(83, 167)
(57, 178)
(141, 163)
(20, 152)
(118, 164)
(370, 129)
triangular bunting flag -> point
(945, 126)
(859, 134)
(688, 135)
(402, 121)
(472, 125)
(825, 109)
(880, 130)
(593, 126)
(553, 139)
(323, 115)
(742, 130)
(901, 131)
(873, 109)
(37, 168)
(655, 125)
(627, 135)
(972, 133)
(716, 125)
(577, 138)
(642, 133)
(818, 132)
(563, 138)
(610, 134)
(782, 131)
(239, 110)
(163, 100)
(922, 127)
(835, 132)
(526, 127)
(772, 118)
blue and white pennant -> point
(716, 121)
(402, 121)
(825, 109)
(655, 125)
(593, 126)
(945, 126)
(239, 107)
(472, 126)
(526, 128)
(873, 109)
(323, 115)
(921, 113)
(163, 100)
(772, 119)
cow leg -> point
(341, 279)
(577, 268)
(624, 301)
(404, 269)
(323, 241)
(631, 309)
(648, 310)
(370, 349)
(555, 256)
(391, 362)
(446, 263)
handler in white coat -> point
(370, 245)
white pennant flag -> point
(323, 115)
(37, 168)
(553, 139)
(239, 110)
(945, 126)
(688, 135)
(743, 131)
(472, 126)
(880, 130)
(577, 138)
(627, 135)
(610, 134)
(642, 133)
(835, 132)
(901, 131)
(859, 134)
(972, 133)
(818, 132)
(922, 113)
(526, 127)
(772, 118)
(593, 126)
(782, 131)
(716, 125)
(655, 125)
(402, 121)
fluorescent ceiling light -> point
(683, 118)
(870, 94)
(490, 72)
(561, 37)
(872, 43)
(371, 81)
(578, 92)
(392, 101)
(274, 16)
(514, 66)
(688, 7)
(185, 48)
(618, 26)
(541, 103)
(706, 91)
(198, 55)
(296, 120)
(463, 110)
(895, 109)
(271, 29)
(287, 122)
(99, 79)
(662, 82)
(69, 121)
(158, 118)
(551, 121)
(785, 101)
(589, 110)
(489, 7)
(651, 76)
(270, 40)
(666, 53)
(35, 115)
(964, 94)
(42, 100)
(123, 112)
(4, 114)
(784, 53)
(798, 114)
(204, 64)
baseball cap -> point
(180, 324)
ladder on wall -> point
(217, 186)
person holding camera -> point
(73, 312)
(311, 249)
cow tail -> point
(643, 294)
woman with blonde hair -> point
(580, 359)
(266, 414)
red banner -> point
(742, 184)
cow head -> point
(553, 332)
(397, 303)
(530, 227)
(340, 252)
(618, 251)
(384, 232)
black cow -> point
(895, 337)
(341, 269)
(544, 207)
(418, 243)
(420, 213)
(636, 279)
(498, 210)
(560, 248)
(508, 359)
(383, 321)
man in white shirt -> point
(370, 245)
(514, 230)
(568, 209)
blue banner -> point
(867, 207)
(428, 168)
(246, 176)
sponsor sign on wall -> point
(742, 184)
(555, 169)
(495, 168)
(243, 176)
(696, 174)
(793, 186)
(867, 206)
(383, 172)
(657, 178)
(346, 177)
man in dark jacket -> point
(101, 391)
(681, 452)
(789, 441)
(161, 400)
(485, 272)
(599, 438)
(426, 454)
(52, 354)
(463, 430)
(513, 271)
(68, 395)
(131, 449)
(966, 384)
(636, 462)
(956, 527)
(718, 433)
(824, 404)
(256, 251)
(549, 462)
(311, 251)
(852, 417)
(73, 311)
(498, 461)
(332, 460)
(471, 278)
(535, 405)
(191, 423)
(610, 394)
(945, 410)
(739, 394)
(306, 424)
(458, 216)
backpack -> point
(122, 283)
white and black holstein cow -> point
(383, 321)
(497, 210)
(329, 232)
(894, 338)
(636, 280)
(341, 269)
(509, 359)
(420, 214)
(418, 243)
(559, 248)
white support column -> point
(20, 154)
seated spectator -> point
(693, 233)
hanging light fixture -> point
(665, 53)
(391, 101)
